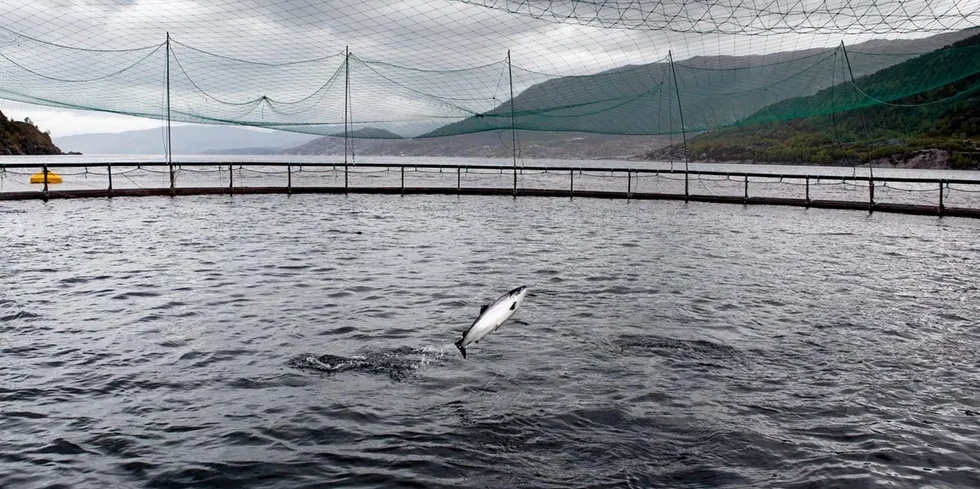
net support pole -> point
(942, 205)
(864, 124)
(871, 194)
(513, 120)
(680, 112)
(231, 179)
(109, 172)
(44, 169)
(170, 162)
(629, 183)
(807, 198)
(403, 179)
(746, 198)
(346, 110)
(571, 183)
(459, 178)
(289, 179)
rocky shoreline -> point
(24, 138)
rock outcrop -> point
(24, 138)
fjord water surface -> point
(305, 341)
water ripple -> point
(305, 341)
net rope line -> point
(258, 100)
(176, 42)
(254, 62)
(448, 101)
(958, 188)
(888, 186)
(744, 18)
(272, 101)
(65, 46)
(943, 100)
(88, 80)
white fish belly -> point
(490, 321)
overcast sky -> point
(37, 63)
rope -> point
(193, 170)
(265, 172)
(886, 186)
(126, 176)
(950, 187)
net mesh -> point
(415, 69)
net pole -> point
(942, 205)
(864, 126)
(680, 112)
(670, 130)
(346, 108)
(170, 163)
(808, 191)
(513, 123)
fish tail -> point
(459, 345)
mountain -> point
(491, 144)
(369, 133)
(715, 91)
(24, 138)
(187, 139)
(612, 114)
(923, 113)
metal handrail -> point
(563, 169)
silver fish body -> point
(491, 317)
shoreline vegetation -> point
(934, 154)
(935, 129)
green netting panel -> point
(304, 96)
(713, 97)
(375, 69)
(862, 83)
(128, 81)
(394, 101)
(625, 101)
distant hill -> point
(935, 128)
(24, 138)
(492, 144)
(369, 133)
(187, 139)
(612, 114)
(628, 100)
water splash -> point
(398, 363)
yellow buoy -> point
(53, 177)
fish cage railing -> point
(901, 194)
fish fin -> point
(513, 306)
(459, 345)
(484, 308)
